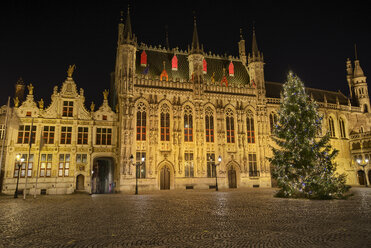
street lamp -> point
(216, 175)
(137, 166)
(19, 160)
(359, 161)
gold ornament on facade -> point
(105, 94)
(213, 78)
(16, 102)
(92, 107)
(30, 89)
(41, 104)
(70, 70)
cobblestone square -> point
(192, 218)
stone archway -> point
(165, 175)
(80, 181)
(232, 173)
(102, 179)
(361, 177)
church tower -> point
(195, 57)
(358, 85)
(256, 67)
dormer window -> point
(204, 66)
(231, 69)
(143, 59)
(174, 63)
(67, 109)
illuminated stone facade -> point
(179, 111)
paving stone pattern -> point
(192, 218)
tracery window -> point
(46, 165)
(331, 127)
(141, 122)
(188, 167)
(250, 128)
(209, 125)
(188, 124)
(141, 162)
(342, 128)
(272, 121)
(229, 119)
(165, 122)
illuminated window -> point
(342, 128)
(165, 123)
(64, 165)
(46, 165)
(143, 59)
(24, 134)
(250, 128)
(231, 69)
(331, 127)
(209, 125)
(188, 124)
(82, 135)
(188, 166)
(174, 63)
(103, 136)
(48, 134)
(272, 121)
(141, 122)
(26, 162)
(210, 158)
(66, 135)
(67, 109)
(81, 158)
(141, 168)
(229, 119)
(253, 167)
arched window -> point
(361, 130)
(272, 121)
(331, 127)
(188, 124)
(250, 128)
(165, 122)
(209, 125)
(342, 128)
(141, 121)
(230, 126)
(174, 63)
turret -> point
(196, 56)
(349, 69)
(242, 48)
(256, 66)
(360, 87)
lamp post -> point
(19, 160)
(360, 163)
(137, 166)
(216, 174)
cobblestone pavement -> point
(193, 218)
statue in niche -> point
(70, 70)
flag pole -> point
(28, 160)
(4, 137)
(38, 162)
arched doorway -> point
(361, 177)
(232, 177)
(102, 176)
(80, 180)
(165, 178)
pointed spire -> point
(195, 48)
(255, 50)
(358, 72)
(128, 35)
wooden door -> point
(232, 179)
(165, 178)
(361, 177)
(80, 182)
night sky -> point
(39, 39)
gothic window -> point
(141, 122)
(104, 136)
(81, 158)
(250, 128)
(209, 125)
(64, 165)
(26, 162)
(141, 168)
(82, 135)
(165, 122)
(204, 66)
(188, 167)
(272, 121)
(48, 134)
(174, 63)
(46, 165)
(143, 59)
(331, 127)
(210, 158)
(231, 69)
(188, 124)
(342, 128)
(253, 167)
(66, 135)
(24, 134)
(229, 119)
(67, 109)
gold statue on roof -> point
(16, 102)
(70, 70)
(92, 107)
(105, 94)
(213, 78)
(30, 89)
(41, 104)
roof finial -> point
(121, 16)
(241, 34)
(355, 51)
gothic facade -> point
(175, 120)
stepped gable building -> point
(173, 114)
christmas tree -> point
(303, 161)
